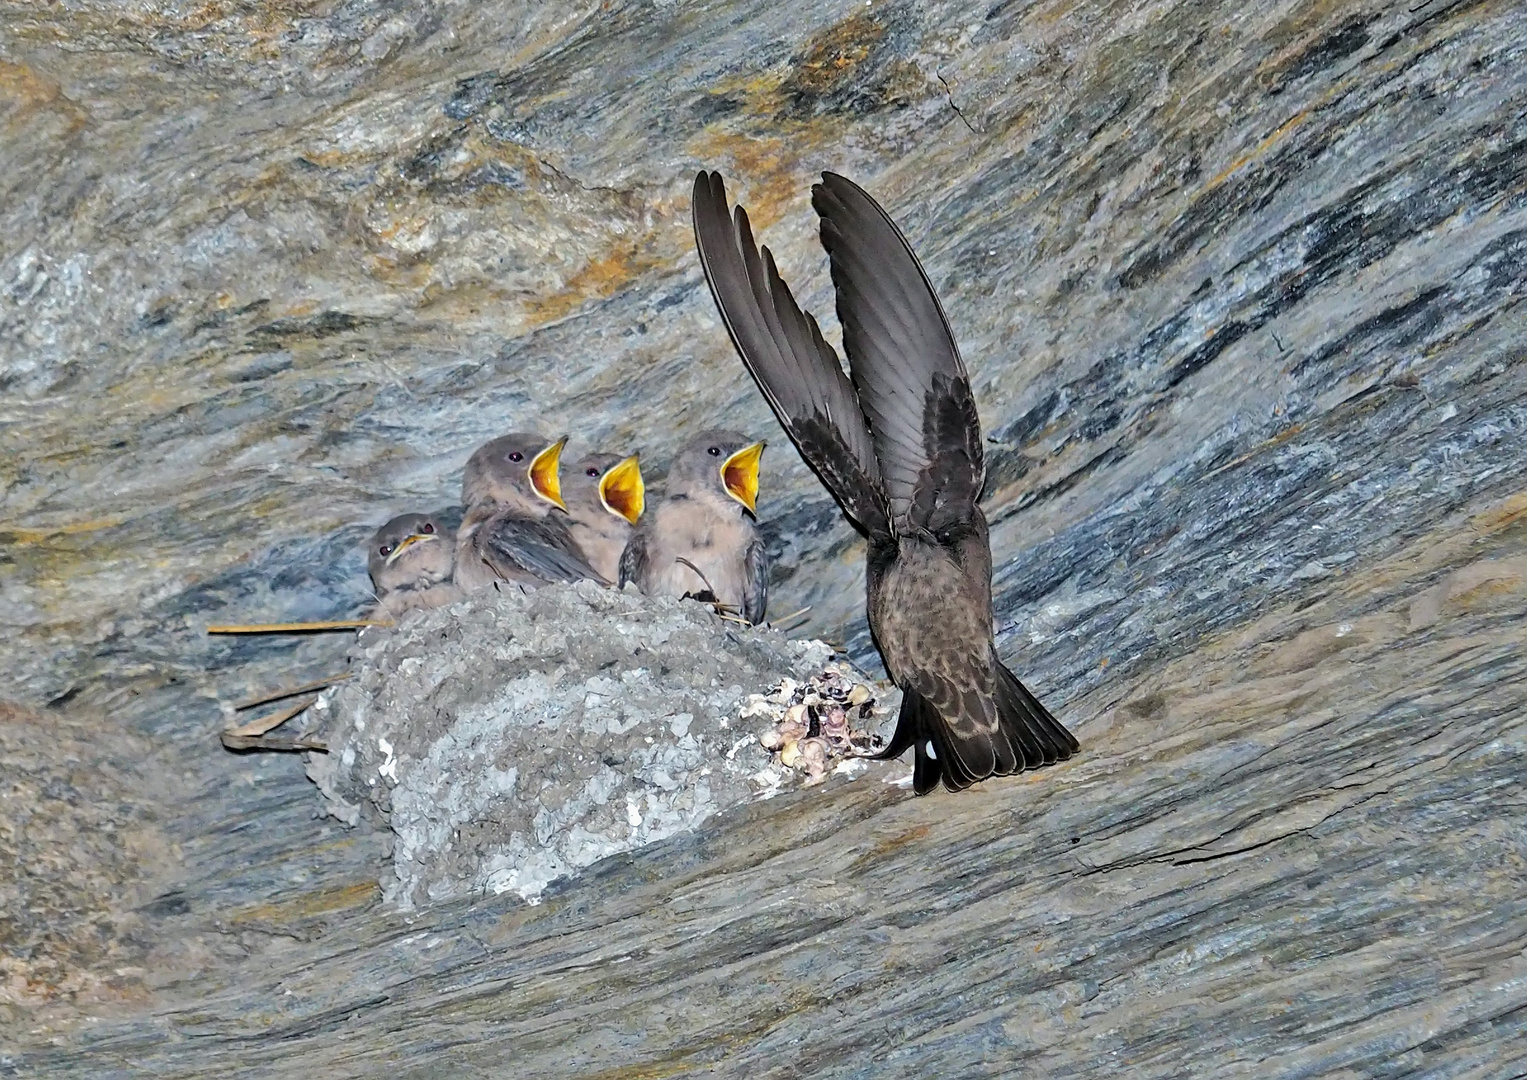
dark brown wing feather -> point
(542, 548)
(1024, 735)
(944, 499)
(906, 367)
(633, 560)
(782, 347)
(933, 752)
(755, 594)
(964, 718)
(1024, 717)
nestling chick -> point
(605, 499)
(702, 540)
(411, 559)
(516, 527)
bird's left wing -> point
(633, 559)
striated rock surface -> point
(82, 851)
(514, 739)
(1240, 286)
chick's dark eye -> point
(385, 550)
(714, 451)
(516, 456)
(429, 527)
(592, 472)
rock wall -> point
(1241, 289)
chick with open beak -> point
(516, 527)
(702, 540)
(411, 559)
(605, 499)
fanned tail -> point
(1029, 724)
(1027, 737)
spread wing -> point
(906, 367)
(544, 548)
(782, 347)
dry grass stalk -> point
(292, 691)
(260, 725)
(257, 742)
(297, 627)
(252, 736)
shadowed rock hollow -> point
(1240, 286)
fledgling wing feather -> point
(906, 367)
(633, 560)
(782, 348)
(755, 588)
(542, 548)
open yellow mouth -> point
(739, 474)
(546, 475)
(621, 490)
(407, 542)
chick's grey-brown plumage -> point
(600, 534)
(514, 528)
(899, 447)
(411, 560)
(701, 540)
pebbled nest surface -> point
(515, 738)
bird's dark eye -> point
(429, 527)
(385, 550)
(516, 456)
(592, 472)
(714, 451)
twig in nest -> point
(698, 573)
(256, 742)
(708, 597)
(292, 691)
(261, 724)
(251, 735)
(297, 627)
(781, 624)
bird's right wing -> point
(543, 548)
(906, 366)
(782, 347)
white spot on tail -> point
(928, 749)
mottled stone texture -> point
(1240, 285)
(81, 850)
